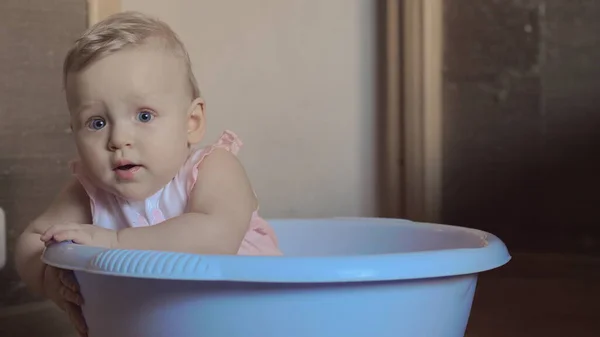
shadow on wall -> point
(521, 122)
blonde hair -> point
(118, 32)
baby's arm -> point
(70, 206)
(219, 211)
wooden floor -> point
(539, 295)
(534, 295)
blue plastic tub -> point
(358, 277)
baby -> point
(138, 183)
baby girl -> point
(139, 183)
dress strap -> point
(228, 141)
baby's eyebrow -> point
(85, 106)
(139, 97)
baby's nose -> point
(120, 138)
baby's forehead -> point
(141, 69)
(148, 58)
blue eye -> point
(96, 123)
(144, 116)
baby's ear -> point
(196, 121)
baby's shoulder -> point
(222, 153)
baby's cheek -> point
(89, 145)
(169, 159)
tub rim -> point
(161, 265)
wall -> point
(521, 130)
(34, 144)
(295, 79)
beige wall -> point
(295, 80)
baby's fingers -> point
(76, 317)
(50, 232)
(68, 279)
(75, 235)
(73, 297)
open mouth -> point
(126, 167)
(127, 171)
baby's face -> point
(130, 114)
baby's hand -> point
(61, 287)
(89, 235)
